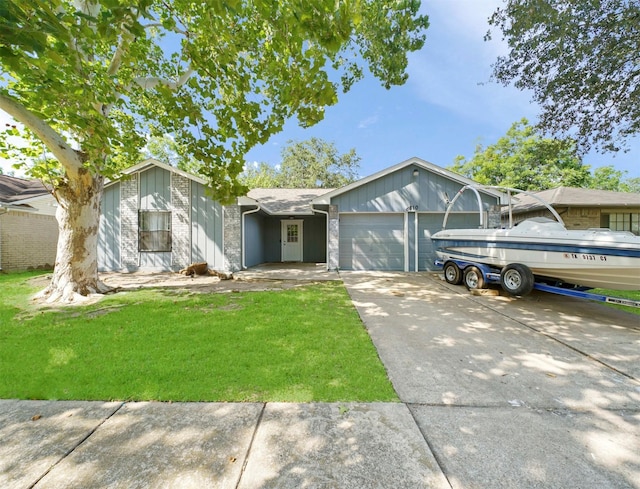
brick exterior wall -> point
(129, 223)
(573, 217)
(581, 218)
(494, 217)
(180, 223)
(232, 231)
(27, 241)
(333, 241)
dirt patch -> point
(40, 281)
(195, 283)
(261, 280)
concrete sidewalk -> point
(47, 444)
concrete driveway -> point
(541, 391)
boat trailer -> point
(516, 281)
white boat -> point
(540, 249)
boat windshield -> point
(539, 225)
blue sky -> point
(447, 107)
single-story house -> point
(161, 218)
(582, 208)
(28, 227)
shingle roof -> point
(286, 200)
(577, 197)
(14, 190)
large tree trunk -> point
(76, 270)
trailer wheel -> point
(473, 278)
(452, 273)
(516, 279)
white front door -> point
(292, 240)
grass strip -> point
(633, 295)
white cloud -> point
(453, 70)
(369, 121)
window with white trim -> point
(625, 221)
(154, 230)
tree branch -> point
(116, 59)
(176, 29)
(152, 82)
(68, 157)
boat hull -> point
(595, 259)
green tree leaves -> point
(220, 77)
(580, 60)
(525, 160)
(308, 164)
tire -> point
(516, 279)
(452, 273)
(473, 278)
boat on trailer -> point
(537, 250)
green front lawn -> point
(299, 345)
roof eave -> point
(18, 207)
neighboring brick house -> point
(28, 227)
(582, 208)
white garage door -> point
(372, 241)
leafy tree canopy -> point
(526, 160)
(608, 178)
(261, 175)
(97, 76)
(308, 164)
(632, 185)
(580, 60)
(167, 150)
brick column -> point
(129, 223)
(180, 222)
(333, 240)
(494, 217)
(232, 238)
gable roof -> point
(577, 197)
(326, 198)
(19, 191)
(150, 162)
(284, 201)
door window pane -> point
(292, 233)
